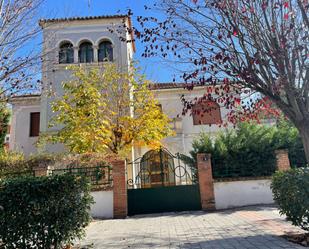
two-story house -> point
(88, 40)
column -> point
(76, 59)
(119, 189)
(282, 160)
(206, 182)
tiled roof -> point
(159, 86)
(42, 21)
(25, 96)
(82, 18)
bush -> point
(287, 137)
(16, 164)
(291, 192)
(12, 162)
(45, 212)
(249, 149)
(244, 152)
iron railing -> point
(99, 176)
(244, 168)
(18, 174)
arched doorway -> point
(157, 169)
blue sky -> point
(155, 70)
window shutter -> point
(34, 124)
(206, 112)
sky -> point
(154, 69)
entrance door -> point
(164, 183)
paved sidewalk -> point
(254, 227)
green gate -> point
(163, 183)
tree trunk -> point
(304, 134)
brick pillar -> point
(119, 189)
(41, 170)
(206, 181)
(282, 160)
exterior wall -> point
(242, 193)
(185, 131)
(54, 74)
(20, 139)
(103, 206)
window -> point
(105, 52)
(66, 53)
(206, 112)
(85, 52)
(34, 124)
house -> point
(88, 40)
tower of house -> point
(67, 41)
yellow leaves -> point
(106, 110)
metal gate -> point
(162, 182)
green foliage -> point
(15, 163)
(249, 149)
(12, 162)
(291, 192)
(45, 212)
(4, 122)
(287, 137)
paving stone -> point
(248, 228)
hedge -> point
(291, 193)
(44, 212)
(248, 150)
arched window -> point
(206, 112)
(66, 53)
(105, 52)
(85, 52)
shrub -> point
(249, 149)
(291, 192)
(16, 164)
(243, 152)
(45, 212)
(287, 137)
(11, 162)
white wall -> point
(242, 193)
(104, 204)
(20, 139)
(185, 130)
(54, 74)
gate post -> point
(119, 189)
(282, 160)
(206, 181)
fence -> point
(18, 174)
(243, 166)
(99, 176)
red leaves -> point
(286, 16)
(235, 32)
(286, 4)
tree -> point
(107, 110)
(18, 55)
(258, 50)
(4, 122)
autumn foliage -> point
(107, 110)
(255, 53)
